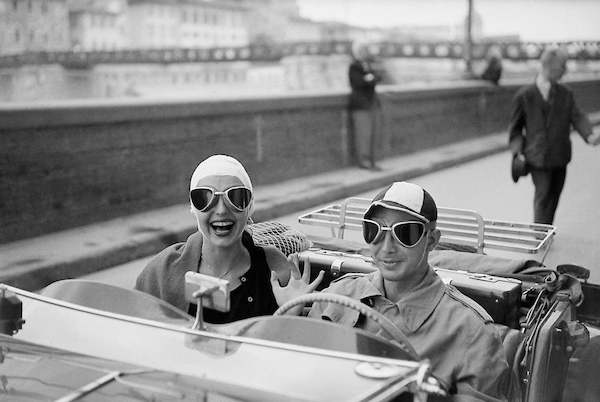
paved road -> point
(485, 186)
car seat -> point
(511, 342)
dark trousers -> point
(548, 186)
(366, 125)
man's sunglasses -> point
(204, 198)
(406, 233)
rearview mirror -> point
(213, 292)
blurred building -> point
(268, 20)
(460, 29)
(33, 25)
(299, 29)
(96, 26)
(413, 33)
(185, 23)
(339, 31)
(279, 21)
(206, 24)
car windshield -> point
(35, 372)
(226, 360)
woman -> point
(222, 201)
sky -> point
(536, 20)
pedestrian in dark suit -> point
(493, 69)
(539, 132)
(364, 108)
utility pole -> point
(468, 45)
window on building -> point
(44, 7)
(17, 35)
(15, 4)
(29, 6)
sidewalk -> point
(34, 263)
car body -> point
(86, 340)
(260, 359)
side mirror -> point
(206, 291)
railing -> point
(584, 50)
(457, 226)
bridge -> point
(518, 51)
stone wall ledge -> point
(114, 110)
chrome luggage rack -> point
(458, 227)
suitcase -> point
(499, 296)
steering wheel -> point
(385, 323)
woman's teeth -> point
(221, 227)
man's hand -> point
(298, 285)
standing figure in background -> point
(539, 131)
(364, 108)
(493, 70)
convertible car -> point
(82, 340)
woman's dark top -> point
(253, 297)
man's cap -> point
(518, 168)
(406, 197)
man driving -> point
(443, 325)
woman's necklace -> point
(209, 270)
(212, 272)
(225, 273)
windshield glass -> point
(34, 372)
(228, 363)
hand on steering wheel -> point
(388, 326)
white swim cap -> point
(220, 165)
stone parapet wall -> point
(74, 163)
